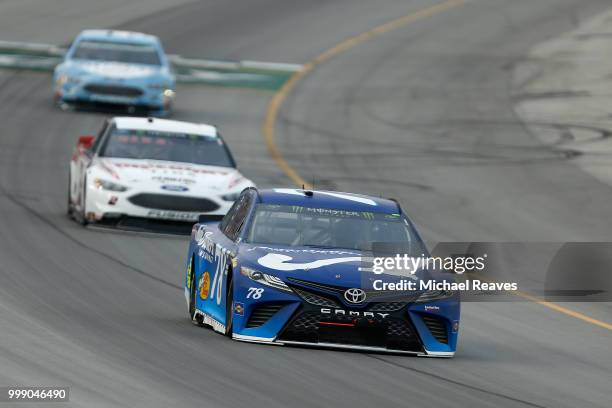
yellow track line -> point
(280, 96)
(565, 311)
(268, 126)
(556, 307)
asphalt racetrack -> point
(423, 112)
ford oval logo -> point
(170, 187)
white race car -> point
(138, 169)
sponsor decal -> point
(431, 308)
(239, 308)
(173, 215)
(281, 262)
(117, 70)
(329, 212)
(216, 256)
(165, 167)
(173, 180)
(204, 240)
(455, 326)
(189, 275)
(204, 285)
(304, 251)
(352, 313)
(172, 187)
(206, 256)
(237, 180)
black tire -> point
(192, 297)
(83, 221)
(229, 306)
(69, 209)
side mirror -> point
(85, 142)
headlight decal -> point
(108, 185)
(264, 279)
(66, 79)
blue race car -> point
(116, 68)
(286, 266)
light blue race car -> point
(116, 69)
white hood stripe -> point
(357, 199)
(280, 262)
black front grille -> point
(314, 298)
(437, 327)
(393, 332)
(152, 225)
(372, 295)
(318, 286)
(306, 322)
(304, 328)
(353, 336)
(262, 314)
(114, 90)
(387, 307)
(401, 336)
(173, 202)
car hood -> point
(159, 175)
(338, 267)
(113, 70)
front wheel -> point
(83, 216)
(192, 295)
(69, 208)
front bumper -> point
(104, 205)
(392, 326)
(95, 92)
(335, 346)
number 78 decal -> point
(221, 269)
(255, 293)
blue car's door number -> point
(221, 269)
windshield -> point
(324, 227)
(117, 52)
(156, 145)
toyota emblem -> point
(355, 295)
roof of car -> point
(165, 125)
(328, 199)
(118, 36)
